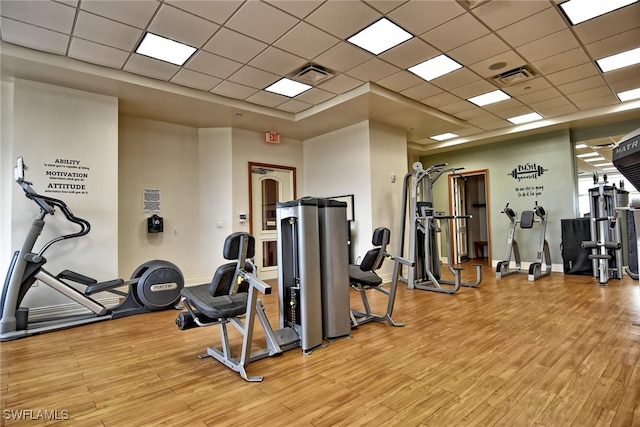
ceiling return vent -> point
(511, 77)
(312, 74)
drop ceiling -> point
(244, 46)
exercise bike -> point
(155, 285)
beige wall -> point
(164, 156)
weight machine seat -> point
(217, 299)
(364, 274)
(215, 307)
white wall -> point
(388, 157)
(216, 217)
(6, 173)
(339, 163)
(51, 123)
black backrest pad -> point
(222, 278)
(381, 236)
(232, 245)
(526, 219)
(369, 260)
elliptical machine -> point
(526, 221)
(155, 285)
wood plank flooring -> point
(561, 351)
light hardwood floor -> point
(561, 351)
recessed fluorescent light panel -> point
(582, 10)
(380, 36)
(525, 118)
(619, 60)
(288, 87)
(594, 159)
(581, 146)
(489, 98)
(435, 67)
(443, 136)
(628, 95)
(165, 49)
(587, 155)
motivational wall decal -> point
(68, 176)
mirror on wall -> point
(595, 156)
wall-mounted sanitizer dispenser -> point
(155, 224)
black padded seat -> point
(364, 278)
(215, 307)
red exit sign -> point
(273, 137)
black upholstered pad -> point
(364, 278)
(223, 306)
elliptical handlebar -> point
(47, 206)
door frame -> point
(484, 173)
(251, 165)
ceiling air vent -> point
(312, 74)
(514, 76)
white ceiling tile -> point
(623, 74)
(589, 94)
(145, 66)
(341, 84)
(624, 84)
(448, 103)
(561, 61)
(33, 37)
(293, 106)
(217, 11)
(590, 102)
(541, 96)
(533, 27)
(107, 32)
(277, 61)
(448, 35)
(572, 74)
(422, 91)
(343, 18)
(498, 64)
(373, 70)
(473, 89)
(499, 14)
(342, 57)
(400, 81)
(95, 53)
(418, 17)
(233, 90)
(384, 6)
(559, 101)
(211, 64)
(234, 45)
(528, 86)
(476, 114)
(261, 21)
(514, 112)
(253, 77)
(268, 99)
(581, 85)
(457, 78)
(315, 96)
(503, 107)
(181, 26)
(479, 49)
(550, 45)
(409, 53)
(45, 14)
(557, 111)
(306, 41)
(610, 24)
(615, 44)
(136, 13)
(195, 80)
(298, 8)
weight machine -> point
(543, 256)
(606, 241)
(423, 269)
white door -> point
(460, 225)
(269, 186)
